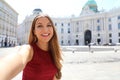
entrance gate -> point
(87, 37)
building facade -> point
(8, 25)
(91, 26)
(24, 28)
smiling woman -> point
(40, 59)
(43, 30)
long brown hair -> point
(53, 44)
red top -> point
(41, 67)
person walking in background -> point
(89, 45)
(2, 43)
(40, 59)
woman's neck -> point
(43, 46)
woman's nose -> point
(45, 29)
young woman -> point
(40, 60)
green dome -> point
(91, 2)
(92, 5)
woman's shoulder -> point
(26, 47)
(27, 51)
(30, 49)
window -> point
(68, 24)
(1, 4)
(110, 35)
(118, 17)
(77, 42)
(0, 13)
(77, 23)
(98, 21)
(55, 24)
(62, 42)
(62, 24)
(62, 30)
(110, 40)
(119, 40)
(98, 41)
(77, 29)
(119, 34)
(98, 28)
(98, 34)
(76, 35)
(118, 25)
(109, 19)
(61, 37)
(110, 27)
(68, 30)
(68, 41)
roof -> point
(91, 4)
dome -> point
(37, 11)
(92, 5)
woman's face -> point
(43, 30)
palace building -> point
(91, 26)
(8, 25)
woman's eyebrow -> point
(49, 23)
(39, 23)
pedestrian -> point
(2, 43)
(89, 45)
(40, 59)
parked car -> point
(92, 44)
(111, 44)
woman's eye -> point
(39, 26)
(49, 25)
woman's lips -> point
(45, 35)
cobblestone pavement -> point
(100, 65)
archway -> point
(87, 37)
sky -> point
(56, 8)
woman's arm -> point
(12, 64)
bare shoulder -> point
(25, 46)
(27, 51)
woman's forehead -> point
(42, 20)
